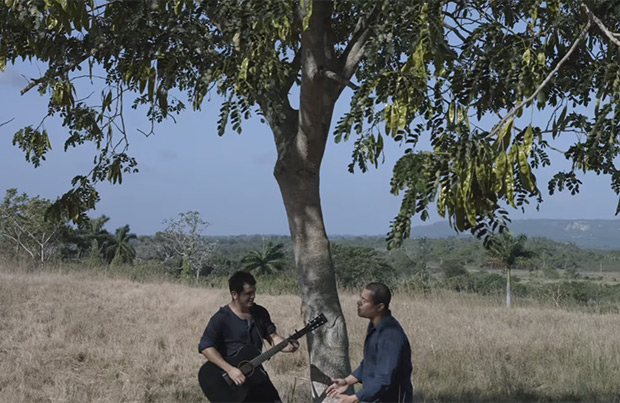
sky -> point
(186, 166)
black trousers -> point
(263, 392)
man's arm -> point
(293, 345)
(215, 357)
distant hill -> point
(595, 234)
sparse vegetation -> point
(80, 329)
(88, 336)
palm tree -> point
(118, 249)
(269, 259)
(91, 235)
(509, 250)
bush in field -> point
(356, 266)
(453, 268)
(278, 284)
(459, 283)
(487, 283)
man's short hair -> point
(238, 279)
(380, 294)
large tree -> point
(184, 239)
(24, 229)
(467, 76)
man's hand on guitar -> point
(293, 345)
(236, 376)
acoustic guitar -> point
(217, 385)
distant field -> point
(84, 338)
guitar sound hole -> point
(246, 368)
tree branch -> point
(336, 77)
(455, 31)
(355, 49)
(7, 122)
(543, 84)
(612, 36)
(60, 72)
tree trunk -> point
(508, 297)
(328, 347)
(300, 137)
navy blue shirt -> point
(228, 333)
(385, 370)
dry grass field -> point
(92, 338)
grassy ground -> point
(91, 338)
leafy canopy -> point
(457, 83)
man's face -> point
(366, 307)
(246, 297)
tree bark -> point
(328, 347)
(301, 140)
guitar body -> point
(215, 382)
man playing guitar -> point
(238, 325)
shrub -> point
(453, 268)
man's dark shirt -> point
(228, 333)
(385, 370)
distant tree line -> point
(183, 250)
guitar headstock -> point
(318, 321)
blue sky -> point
(186, 166)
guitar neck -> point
(258, 360)
(316, 322)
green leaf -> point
(107, 101)
(526, 172)
(451, 112)
(306, 21)
(152, 80)
(461, 115)
(243, 69)
(499, 170)
(527, 57)
(441, 201)
(162, 99)
(504, 135)
(528, 140)
(387, 116)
